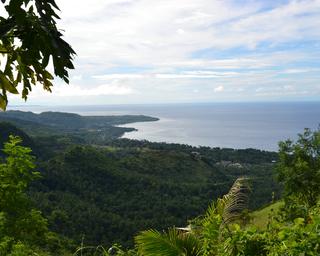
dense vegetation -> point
(214, 234)
(23, 230)
(225, 229)
(107, 192)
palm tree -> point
(171, 243)
(203, 235)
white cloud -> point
(118, 76)
(142, 32)
(300, 70)
(76, 78)
(181, 31)
(196, 74)
(153, 50)
(219, 89)
(101, 90)
(183, 74)
(148, 32)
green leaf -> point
(299, 221)
(53, 3)
(171, 243)
(3, 102)
(7, 85)
(32, 23)
(2, 48)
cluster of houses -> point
(197, 156)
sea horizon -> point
(238, 125)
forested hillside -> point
(87, 129)
(107, 192)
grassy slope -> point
(261, 217)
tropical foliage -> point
(29, 37)
(23, 229)
(299, 168)
(20, 225)
(171, 243)
(222, 231)
(211, 237)
(205, 234)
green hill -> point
(7, 129)
(85, 129)
(260, 218)
(108, 194)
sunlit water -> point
(234, 125)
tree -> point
(299, 167)
(29, 38)
(20, 224)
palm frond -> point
(232, 205)
(171, 243)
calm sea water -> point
(234, 125)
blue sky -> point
(161, 51)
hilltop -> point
(90, 129)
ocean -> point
(232, 125)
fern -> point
(232, 205)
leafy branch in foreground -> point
(29, 37)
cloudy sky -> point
(161, 51)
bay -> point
(232, 125)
